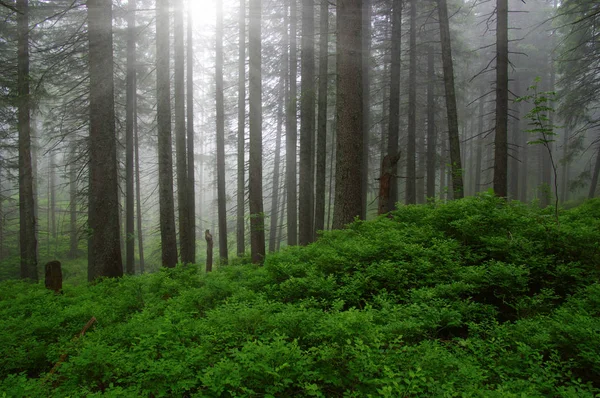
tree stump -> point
(388, 171)
(209, 250)
(54, 276)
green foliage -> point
(477, 297)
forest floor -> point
(474, 298)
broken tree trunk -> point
(54, 276)
(209, 250)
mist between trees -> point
(132, 131)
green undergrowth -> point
(474, 298)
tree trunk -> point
(394, 111)
(331, 176)
(564, 191)
(307, 126)
(221, 193)
(129, 122)
(443, 160)
(73, 203)
(53, 276)
(103, 218)
(594, 182)
(257, 221)
(276, 170)
(138, 190)
(241, 140)
(411, 157)
(180, 134)
(500, 144)
(348, 177)
(27, 240)
(322, 120)
(454, 140)
(516, 148)
(191, 178)
(366, 82)
(52, 196)
(479, 155)
(165, 157)
(389, 166)
(431, 138)
(209, 250)
(291, 136)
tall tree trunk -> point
(501, 144)
(73, 202)
(191, 171)
(52, 195)
(241, 140)
(281, 216)
(331, 176)
(454, 140)
(257, 221)
(564, 191)
(322, 119)
(307, 125)
(276, 170)
(366, 82)
(180, 134)
(443, 160)
(103, 218)
(221, 194)
(27, 239)
(479, 154)
(129, 122)
(595, 175)
(348, 178)
(138, 192)
(394, 111)
(431, 138)
(165, 157)
(291, 135)
(411, 157)
(516, 149)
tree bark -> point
(322, 119)
(165, 157)
(501, 144)
(431, 137)
(595, 175)
(276, 169)
(454, 140)
(129, 122)
(191, 171)
(348, 177)
(241, 140)
(73, 203)
(27, 238)
(209, 250)
(220, 103)
(257, 221)
(366, 82)
(138, 192)
(103, 218)
(411, 157)
(479, 154)
(291, 136)
(394, 102)
(389, 166)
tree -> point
(501, 137)
(241, 139)
(103, 205)
(165, 157)
(451, 109)
(366, 82)
(411, 153)
(307, 125)
(131, 92)
(221, 195)
(27, 240)
(394, 110)
(191, 180)
(257, 221)
(431, 138)
(322, 119)
(348, 178)
(291, 136)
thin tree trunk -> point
(27, 238)
(191, 171)
(322, 120)
(241, 141)
(348, 177)
(516, 150)
(165, 157)
(257, 221)
(209, 250)
(500, 144)
(479, 155)
(281, 217)
(129, 122)
(291, 135)
(443, 160)
(366, 66)
(564, 192)
(594, 182)
(411, 156)
(331, 177)
(454, 140)
(52, 191)
(180, 134)
(394, 110)
(307, 126)
(431, 138)
(221, 194)
(138, 192)
(103, 218)
(276, 171)
(72, 203)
